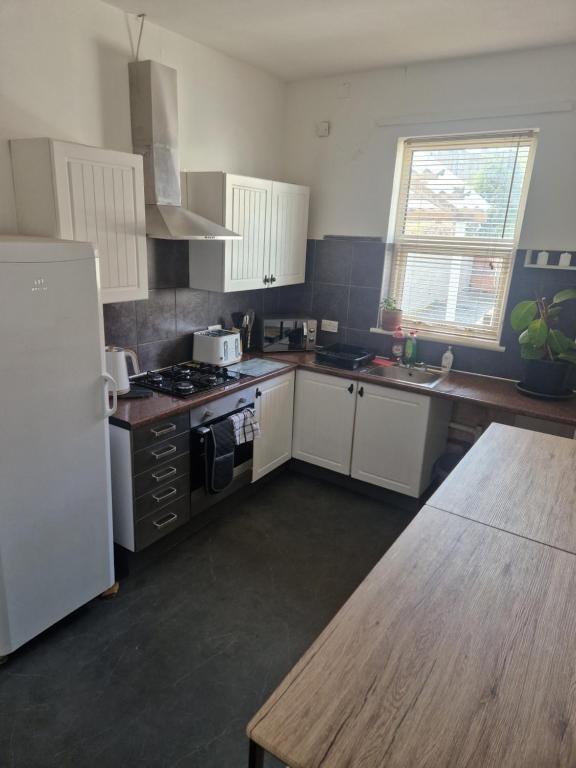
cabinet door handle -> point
(361, 391)
(351, 388)
(163, 430)
(164, 521)
(165, 494)
(258, 393)
(266, 280)
(164, 452)
(272, 279)
(164, 474)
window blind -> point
(458, 219)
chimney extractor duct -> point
(154, 111)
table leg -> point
(255, 755)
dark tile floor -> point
(168, 674)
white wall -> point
(63, 73)
(351, 171)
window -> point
(459, 212)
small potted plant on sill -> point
(390, 314)
(548, 353)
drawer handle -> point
(163, 430)
(164, 452)
(165, 495)
(164, 521)
(164, 474)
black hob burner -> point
(187, 379)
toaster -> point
(217, 347)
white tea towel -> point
(246, 426)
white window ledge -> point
(444, 338)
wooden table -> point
(459, 648)
(521, 481)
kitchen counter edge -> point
(484, 391)
(138, 412)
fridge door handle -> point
(110, 386)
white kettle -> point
(117, 367)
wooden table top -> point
(459, 649)
(521, 481)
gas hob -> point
(188, 379)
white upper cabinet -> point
(248, 205)
(289, 231)
(272, 218)
(75, 192)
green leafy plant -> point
(388, 304)
(536, 322)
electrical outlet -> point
(329, 325)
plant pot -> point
(546, 376)
(390, 319)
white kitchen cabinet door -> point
(274, 408)
(271, 216)
(248, 206)
(289, 232)
(75, 192)
(324, 409)
(397, 437)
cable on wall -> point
(142, 18)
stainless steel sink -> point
(423, 377)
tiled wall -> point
(160, 328)
(343, 277)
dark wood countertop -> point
(138, 412)
(499, 394)
(488, 392)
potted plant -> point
(546, 350)
(390, 314)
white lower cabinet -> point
(398, 436)
(380, 435)
(274, 407)
(324, 409)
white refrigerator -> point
(55, 499)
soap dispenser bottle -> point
(447, 359)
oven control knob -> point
(207, 415)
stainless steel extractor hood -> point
(154, 111)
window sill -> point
(444, 338)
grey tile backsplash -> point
(160, 328)
(343, 277)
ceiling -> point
(294, 39)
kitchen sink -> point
(423, 377)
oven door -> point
(288, 335)
(201, 446)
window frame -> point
(427, 330)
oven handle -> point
(203, 431)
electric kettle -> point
(117, 367)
